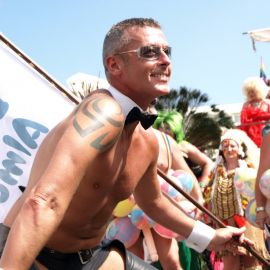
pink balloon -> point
(123, 230)
(169, 190)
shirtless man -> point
(91, 160)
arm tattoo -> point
(97, 120)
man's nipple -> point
(96, 185)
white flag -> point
(29, 107)
(260, 34)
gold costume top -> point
(225, 201)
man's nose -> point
(164, 57)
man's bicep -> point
(148, 188)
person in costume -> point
(170, 151)
(171, 123)
(232, 189)
(256, 109)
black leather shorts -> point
(89, 259)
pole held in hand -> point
(211, 215)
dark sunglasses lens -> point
(168, 51)
(153, 52)
(150, 52)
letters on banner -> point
(29, 107)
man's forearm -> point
(28, 234)
(170, 216)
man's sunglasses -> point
(150, 52)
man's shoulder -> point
(98, 118)
(101, 100)
(150, 139)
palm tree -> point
(201, 129)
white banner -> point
(29, 107)
(262, 35)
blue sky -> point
(209, 51)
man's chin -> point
(163, 91)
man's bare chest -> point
(118, 172)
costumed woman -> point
(233, 194)
(171, 123)
(256, 109)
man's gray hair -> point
(116, 39)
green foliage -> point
(203, 129)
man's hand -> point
(229, 238)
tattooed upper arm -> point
(100, 120)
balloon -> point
(124, 207)
(264, 184)
(183, 179)
(250, 212)
(169, 190)
(123, 230)
(244, 180)
(140, 219)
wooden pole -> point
(212, 216)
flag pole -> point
(210, 214)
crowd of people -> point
(103, 159)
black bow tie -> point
(145, 118)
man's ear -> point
(114, 65)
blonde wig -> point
(257, 85)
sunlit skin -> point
(166, 129)
(139, 76)
(230, 149)
(252, 95)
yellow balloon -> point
(124, 207)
